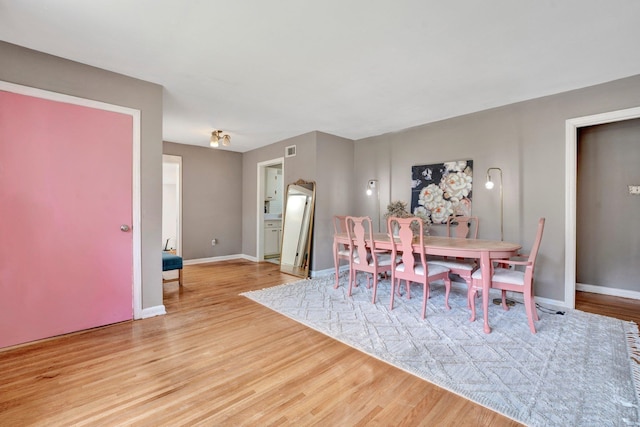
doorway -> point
(571, 151)
(269, 209)
(171, 208)
(608, 220)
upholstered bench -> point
(172, 262)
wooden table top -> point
(448, 243)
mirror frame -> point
(301, 270)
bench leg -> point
(180, 277)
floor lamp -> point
(372, 186)
(489, 186)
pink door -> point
(65, 190)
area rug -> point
(578, 370)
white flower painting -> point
(442, 190)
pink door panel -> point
(65, 189)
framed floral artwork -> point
(441, 190)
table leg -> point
(335, 261)
(485, 266)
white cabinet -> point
(272, 233)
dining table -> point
(481, 249)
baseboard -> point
(218, 258)
(550, 303)
(158, 310)
(614, 292)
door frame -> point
(136, 203)
(177, 160)
(260, 203)
(571, 177)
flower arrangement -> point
(398, 209)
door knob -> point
(124, 227)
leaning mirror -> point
(297, 228)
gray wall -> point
(334, 193)
(526, 140)
(323, 158)
(35, 69)
(302, 166)
(608, 217)
(211, 200)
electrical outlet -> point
(634, 189)
(214, 242)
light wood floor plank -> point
(218, 358)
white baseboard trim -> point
(614, 292)
(218, 258)
(158, 310)
(551, 303)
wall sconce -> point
(372, 186)
(489, 185)
(216, 136)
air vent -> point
(290, 151)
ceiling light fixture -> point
(216, 136)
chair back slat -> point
(360, 233)
(403, 243)
(465, 227)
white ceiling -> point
(264, 71)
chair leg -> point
(375, 287)
(533, 306)
(531, 312)
(505, 307)
(447, 290)
(425, 297)
(352, 274)
(393, 286)
(471, 297)
(469, 284)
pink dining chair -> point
(466, 227)
(512, 280)
(343, 253)
(364, 256)
(409, 262)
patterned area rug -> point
(578, 370)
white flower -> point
(458, 166)
(430, 196)
(440, 213)
(456, 186)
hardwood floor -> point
(620, 308)
(218, 358)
